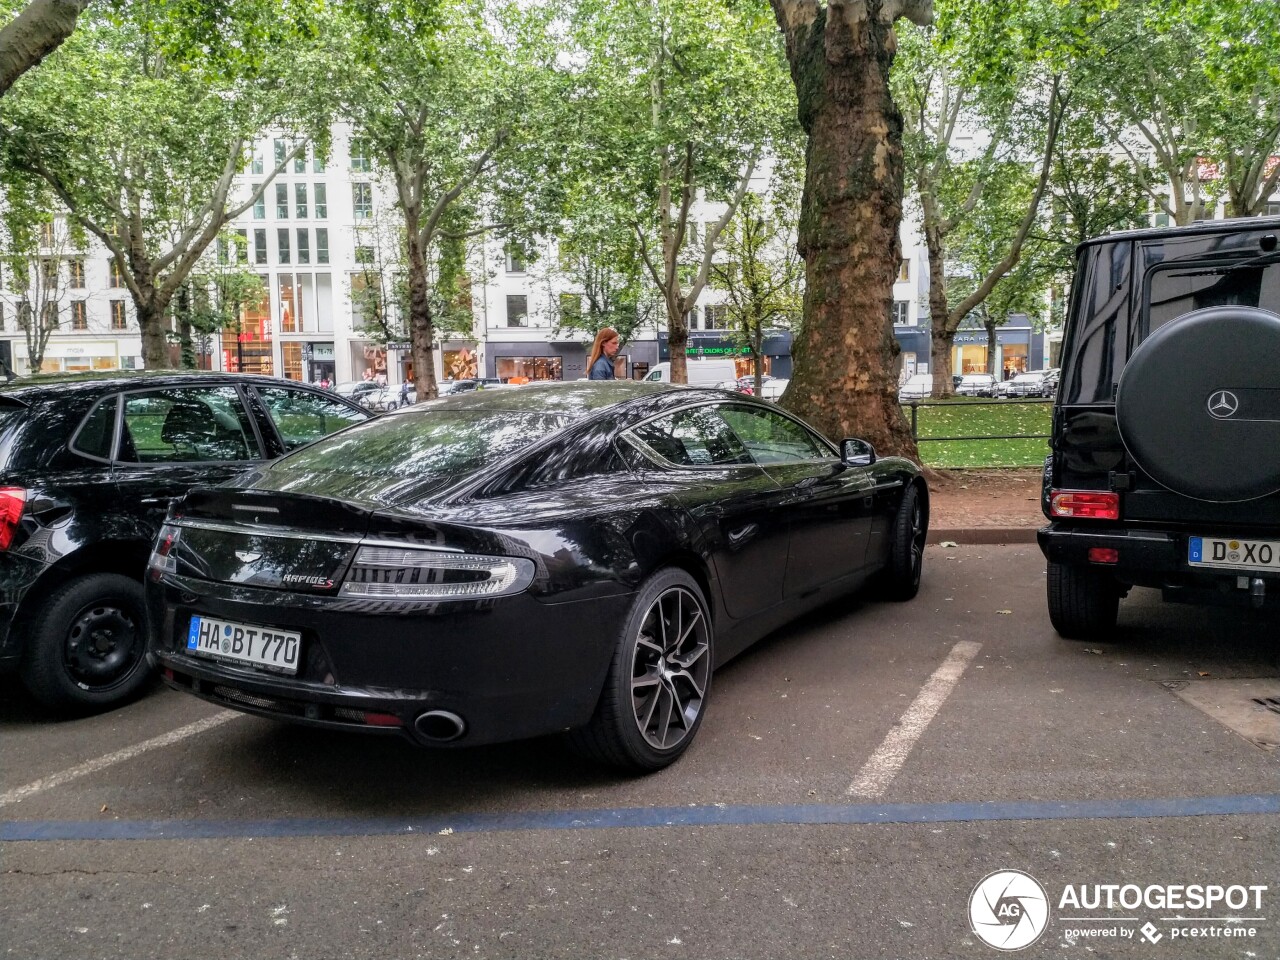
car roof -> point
(42, 385)
(575, 398)
(1200, 228)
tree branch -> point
(33, 34)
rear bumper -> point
(1157, 558)
(18, 574)
(510, 668)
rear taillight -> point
(13, 500)
(1084, 504)
(407, 574)
(162, 559)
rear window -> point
(421, 444)
(1178, 289)
(12, 414)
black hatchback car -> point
(1165, 470)
(88, 466)
(509, 563)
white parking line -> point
(128, 753)
(878, 772)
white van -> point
(702, 373)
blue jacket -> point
(602, 369)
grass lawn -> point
(964, 417)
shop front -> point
(80, 356)
(713, 344)
(561, 360)
(1017, 349)
(248, 349)
(913, 350)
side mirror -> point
(857, 453)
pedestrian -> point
(404, 391)
(600, 364)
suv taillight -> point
(1084, 504)
(162, 559)
(13, 500)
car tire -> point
(87, 646)
(640, 724)
(1083, 603)
(900, 580)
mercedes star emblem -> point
(1223, 404)
(248, 557)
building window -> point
(75, 267)
(300, 162)
(46, 234)
(300, 201)
(117, 315)
(242, 246)
(716, 316)
(117, 275)
(259, 205)
(1273, 209)
(322, 245)
(364, 255)
(901, 312)
(317, 164)
(281, 150)
(362, 200)
(282, 201)
(50, 312)
(282, 245)
(290, 298)
(49, 272)
(79, 315)
(304, 246)
(322, 201)
(517, 311)
(259, 246)
(1, 314)
(360, 156)
(904, 271)
(255, 164)
(515, 262)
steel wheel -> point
(102, 645)
(670, 669)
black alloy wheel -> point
(87, 647)
(657, 689)
(901, 577)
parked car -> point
(1029, 384)
(1165, 470)
(356, 389)
(774, 387)
(1049, 385)
(88, 466)
(918, 386)
(512, 563)
(976, 385)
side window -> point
(773, 438)
(94, 437)
(692, 438)
(301, 417)
(186, 425)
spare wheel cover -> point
(1198, 405)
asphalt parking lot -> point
(857, 775)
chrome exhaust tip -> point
(439, 726)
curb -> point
(982, 535)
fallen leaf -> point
(104, 809)
(1003, 612)
(948, 543)
(1204, 673)
(1092, 650)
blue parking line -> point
(696, 816)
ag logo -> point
(1008, 910)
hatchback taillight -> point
(162, 559)
(1086, 504)
(13, 500)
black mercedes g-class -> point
(1165, 470)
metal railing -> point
(915, 423)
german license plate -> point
(259, 646)
(1229, 554)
